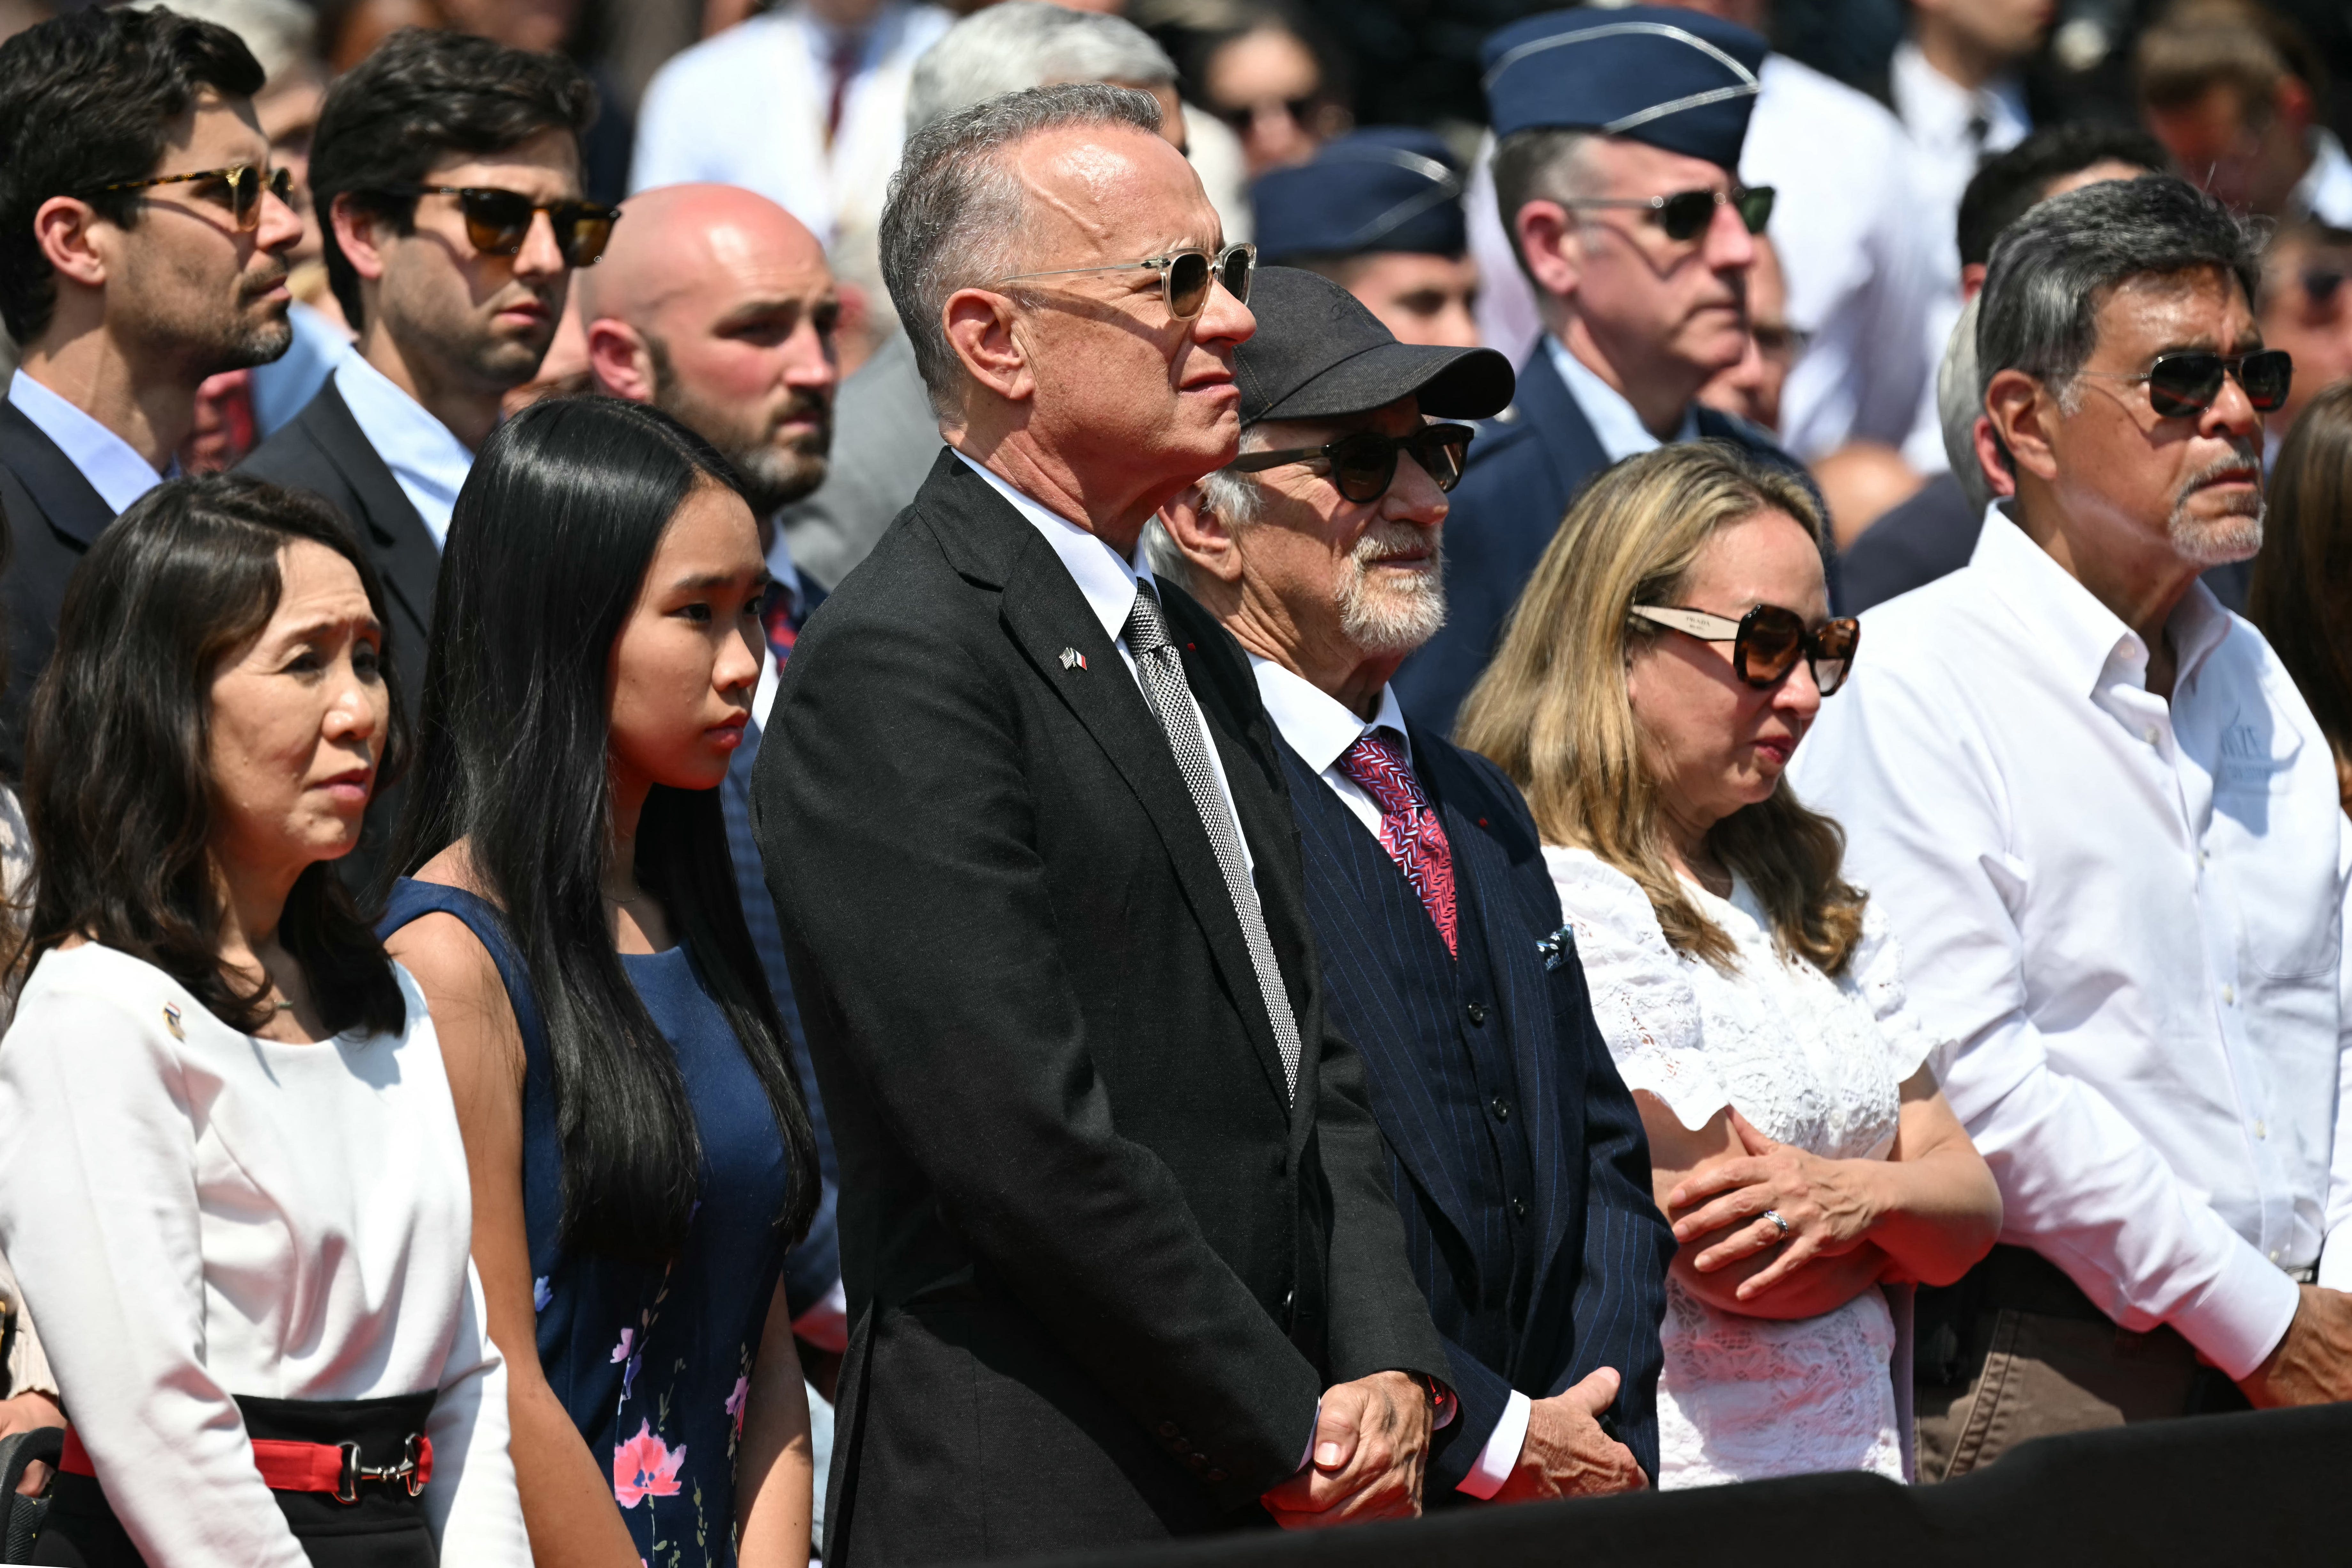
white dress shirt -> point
(1846, 226)
(2127, 913)
(1953, 128)
(2324, 192)
(428, 462)
(111, 465)
(194, 1213)
(1614, 422)
(1109, 582)
(1321, 729)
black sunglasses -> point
(1766, 642)
(244, 185)
(1242, 116)
(2187, 381)
(1686, 214)
(498, 222)
(1364, 465)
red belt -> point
(330, 1468)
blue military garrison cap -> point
(1382, 188)
(1677, 79)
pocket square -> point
(1558, 947)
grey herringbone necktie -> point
(1162, 668)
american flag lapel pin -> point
(1073, 660)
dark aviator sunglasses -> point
(498, 222)
(1766, 642)
(2188, 381)
(1686, 214)
(1363, 465)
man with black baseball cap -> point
(1516, 1154)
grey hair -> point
(1029, 43)
(2053, 269)
(1543, 164)
(1239, 499)
(1958, 403)
(955, 208)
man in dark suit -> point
(1120, 1256)
(446, 174)
(1517, 1156)
(1617, 137)
(141, 251)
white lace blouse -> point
(1811, 1061)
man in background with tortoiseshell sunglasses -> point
(141, 246)
(447, 173)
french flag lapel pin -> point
(1073, 660)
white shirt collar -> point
(111, 465)
(1614, 422)
(1317, 725)
(1937, 110)
(2089, 642)
(429, 462)
(2324, 191)
(1106, 578)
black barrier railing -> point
(2273, 1487)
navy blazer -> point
(1600, 1247)
(1525, 469)
(52, 516)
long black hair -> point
(117, 775)
(550, 542)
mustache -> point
(2245, 452)
(1382, 540)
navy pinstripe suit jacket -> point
(1601, 1246)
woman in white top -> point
(1664, 662)
(231, 1181)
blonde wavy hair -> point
(1552, 710)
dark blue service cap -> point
(1384, 188)
(1319, 353)
(1677, 79)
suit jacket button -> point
(1287, 1298)
(1519, 1208)
(1168, 1428)
(1197, 1463)
(1502, 1109)
(1214, 1476)
(1477, 1014)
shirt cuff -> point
(1501, 1454)
(1307, 1456)
(2241, 1317)
(826, 1324)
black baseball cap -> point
(1319, 353)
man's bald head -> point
(716, 305)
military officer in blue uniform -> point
(1379, 212)
(1617, 137)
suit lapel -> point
(1045, 614)
(69, 501)
(403, 547)
(1571, 451)
(1523, 992)
(1367, 940)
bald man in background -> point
(714, 305)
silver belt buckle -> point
(406, 1473)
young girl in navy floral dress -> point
(639, 1150)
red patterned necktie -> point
(776, 618)
(1410, 830)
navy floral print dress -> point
(652, 1363)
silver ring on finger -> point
(1774, 1215)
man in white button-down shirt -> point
(2106, 828)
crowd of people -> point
(963, 787)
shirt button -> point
(1502, 1109)
(2228, 995)
(2263, 1129)
(1477, 1013)
(2152, 732)
(1519, 1208)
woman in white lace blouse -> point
(1667, 660)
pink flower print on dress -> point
(736, 1401)
(646, 1467)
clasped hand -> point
(1828, 1205)
(1371, 1439)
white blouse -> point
(195, 1213)
(1813, 1061)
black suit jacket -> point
(53, 516)
(1464, 1052)
(1101, 1267)
(1523, 472)
(323, 451)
